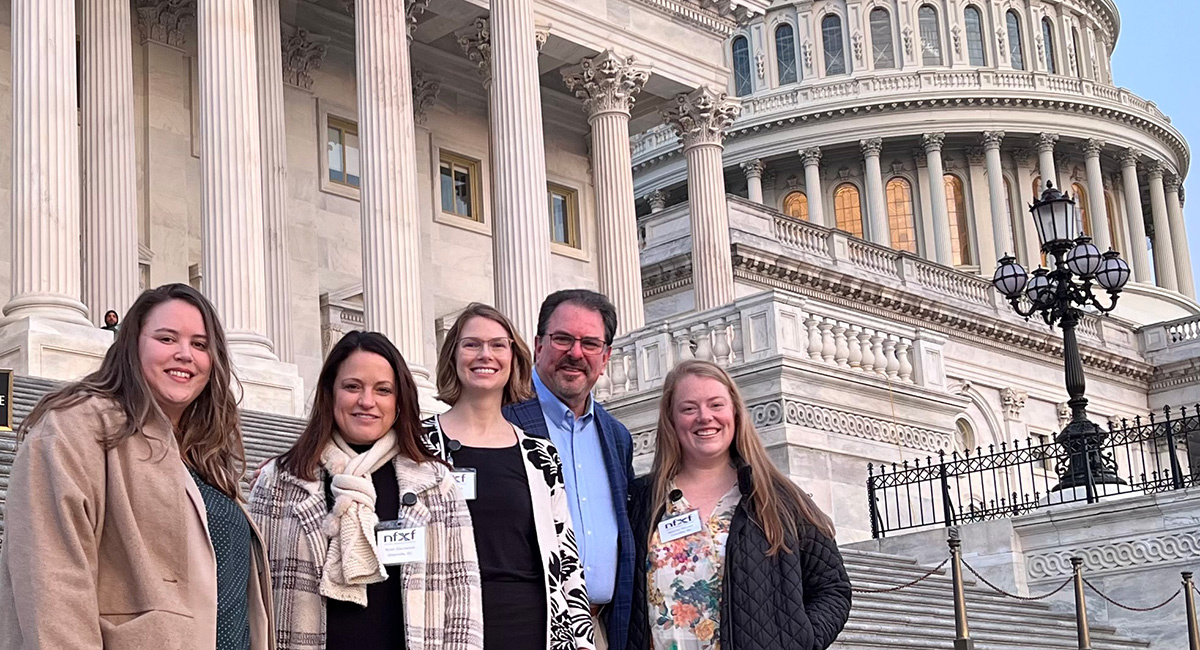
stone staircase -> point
(921, 617)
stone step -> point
(1038, 625)
(855, 638)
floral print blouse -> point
(684, 579)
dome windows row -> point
(940, 40)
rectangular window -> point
(460, 187)
(1051, 457)
(564, 215)
(342, 138)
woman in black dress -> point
(533, 592)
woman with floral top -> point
(731, 552)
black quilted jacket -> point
(792, 601)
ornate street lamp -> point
(1057, 295)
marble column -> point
(1164, 248)
(520, 234)
(45, 161)
(700, 119)
(1097, 211)
(1002, 233)
(1045, 150)
(876, 200)
(273, 140)
(1179, 241)
(232, 249)
(608, 84)
(932, 142)
(110, 210)
(754, 172)
(812, 186)
(391, 234)
(1139, 258)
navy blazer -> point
(617, 445)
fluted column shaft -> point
(1164, 248)
(390, 228)
(876, 201)
(110, 213)
(520, 235)
(231, 174)
(273, 139)
(700, 119)
(1183, 258)
(620, 262)
(937, 193)
(1001, 223)
(754, 173)
(1045, 150)
(1097, 210)
(45, 183)
(812, 187)
(1133, 210)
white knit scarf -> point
(351, 563)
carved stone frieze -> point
(790, 411)
(1181, 546)
(606, 82)
(1013, 401)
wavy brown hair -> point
(303, 459)
(778, 505)
(209, 432)
(520, 377)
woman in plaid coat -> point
(333, 507)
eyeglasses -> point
(501, 345)
(590, 345)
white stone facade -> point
(496, 156)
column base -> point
(39, 346)
(269, 385)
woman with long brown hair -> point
(124, 525)
(370, 541)
(534, 597)
(733, 554)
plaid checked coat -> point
(443, 608)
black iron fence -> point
(1141, 456)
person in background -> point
(575, 330)
(534, 595)
(112, 322)
(370, 541)
(731, 553)
(124, 524)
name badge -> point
(679, 526)
(397, 545)
(466, 482)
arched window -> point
(974, 21)
(1048, 43)
(741, 66)
(964, 435)
(1038, 188)
(785, 53)
(956, 209)
(1015, 54)
(1078, 52)
(900, 215)
(882, 45)
(795, 205)
(1081, 205)
(931, 36)
(848, 209)
(835, 52)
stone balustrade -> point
(773, 324)
(816, 95)
(1173, 340)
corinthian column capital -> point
(1092, 147)
(412, 9)
(701, 116)
(871, 146)
(606, 82)
(1172, 183)
(476, 42)
(165, 21)
(1155, 169)
(1046, 142)
(425, 93)
(933, 142)
(303, 53)
(1129, 157)
(810, 156)
(992, 139)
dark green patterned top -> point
(229, 531)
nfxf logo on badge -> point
(400, 545)
(679, 526)
(408, 535)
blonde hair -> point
(779, 506)
(520, 377)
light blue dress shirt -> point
(589, 494)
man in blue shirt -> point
(575, 331)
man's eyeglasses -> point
(501, 345)
(590, 345)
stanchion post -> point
(1189, 598)
(962, 635)
(1081, 620)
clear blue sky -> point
(1156, 58)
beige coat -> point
(110, 549)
